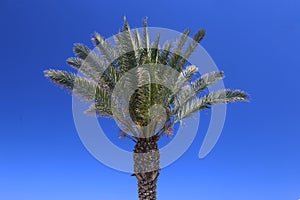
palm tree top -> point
(136, 58)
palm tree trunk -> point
(146, 167)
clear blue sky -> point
(256, 43)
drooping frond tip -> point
(236, 95)
(61, 78)
(225, 96)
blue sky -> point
(256, 43)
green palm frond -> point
(185, 76)
(217, 97)
(177, 54)
(192, 46)
(182, 80)
(146, 42)
(92, 65)
(127, 48)
(138, 40)
(87, 62)
(81, 50)
(107, 50)
(75, 62)
(206, 80)
(196, 87)
(100, 110)
(140, 52)
(165, 53)
(155, 49)
(61, 78)
(86, 89)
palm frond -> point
(138, 40)
(81, 50)
(84, 88)
(146, 41)
(127, 48)
(99, 110)
(192, 46)
(185, 95)
(93, 66)
(206, 80)
(217, 97)
(165, 53)
(107, 50)
(177, 54)
(87, 62)
(226, 96)
(184, 78)
(75, 62)
(61, 78)
(154, 51)
(141, 54)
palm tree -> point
(134, 55)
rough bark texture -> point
(146, 167)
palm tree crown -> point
(103, 67)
